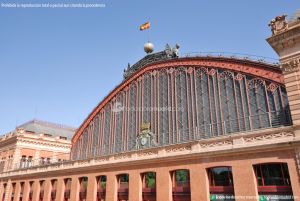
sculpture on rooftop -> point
(168, 53)
(278, 24)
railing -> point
(234, 55)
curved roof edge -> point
(256, 68)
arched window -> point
(101, 188)
(83, 181)
(221, 183)
(4, 190)
(42, 190)
(53, 189)
(149, 186)
(273, 180)
(67, 193)
(181, 185)
(30, 190)
(22, 184)
(123, 185)
(13, 191)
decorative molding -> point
(147, 153)
(216, 144)
(102, 159)
(272, 136)
(278, 24)
(122, 156)
(179, 148)
(291, 66)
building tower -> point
(285, 40)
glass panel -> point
(182, 178)
(272, 175)
(222, 176)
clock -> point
(144, 141)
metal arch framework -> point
(216, 95)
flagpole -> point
(149, 29)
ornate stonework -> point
(278, 24)
(179, 148)
(272, 136)
(216, 144)
(291, 66)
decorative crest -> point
(278, 24)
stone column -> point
(199, 183)
(91, 188)
(26, 191)
(164, 185)
(47, 190)
(135, 186)
(244, 182)
(75, 186)
(17, 191)
(111, 187)
(36, 190)
(60, 189)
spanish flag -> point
(145, 26)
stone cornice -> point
(43, 142)
(279, 138)
(10, 141)
(285, 39)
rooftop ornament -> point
(168, 53)
(278, 24)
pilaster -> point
(243, 175)
(164, 185)
(91, 188)
(47, 190)
(199, 183)
(135, 186)
(26, 191)
(36, 190)
(111, 187)
(75, 187)
(60, 189)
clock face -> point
(144, 141)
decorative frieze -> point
(216, 144)
(291, 66)
(272, 136)
(179, 148)
(122, 156)
(147, 153)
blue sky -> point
(58, 64)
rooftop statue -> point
(168, 53)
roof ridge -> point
(50, 124)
